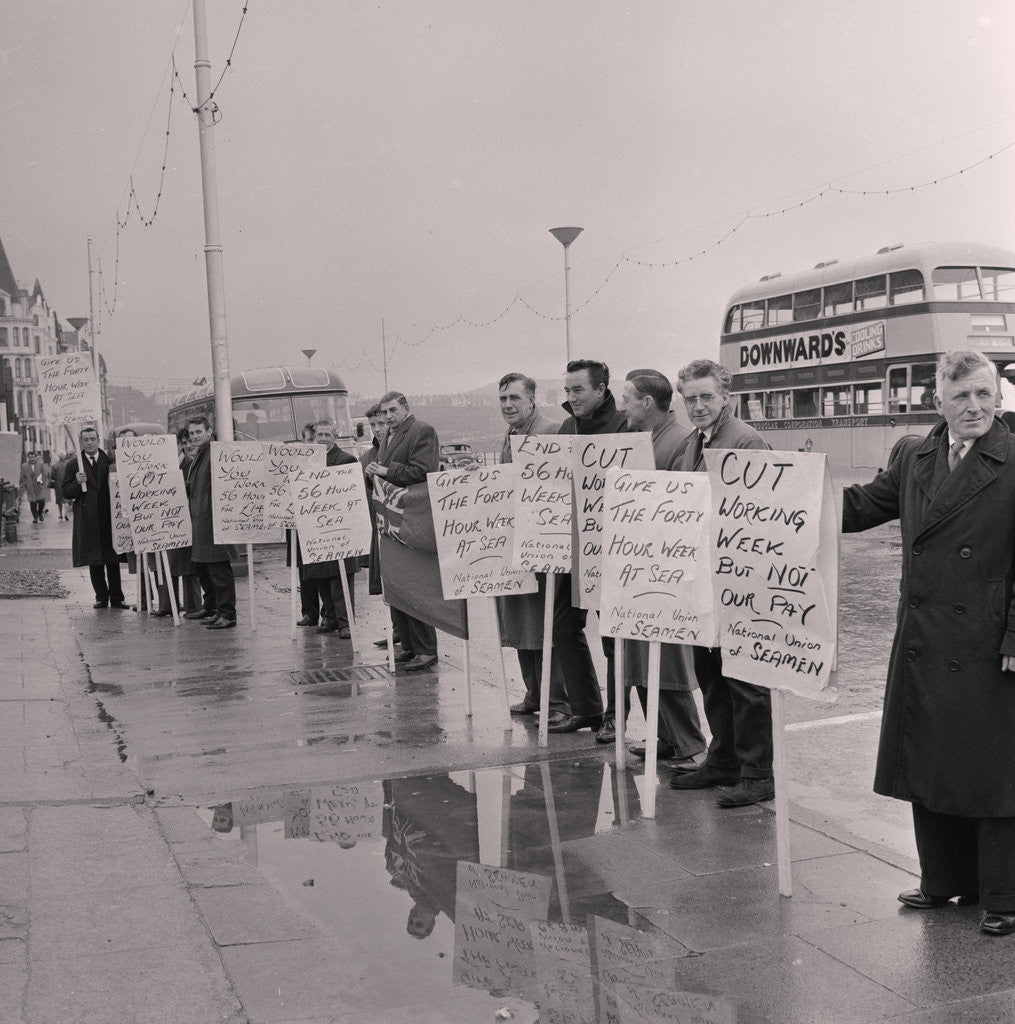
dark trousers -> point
(192, 599)
(107, 591)
(569, 644)
(217, 577)
(609, 649)
(679, 725)
(530, 661)
(739, 716)
(334, 599)
(310, 598)
(37, 508)
(416, 637)
(962, 856)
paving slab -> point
(241, 914)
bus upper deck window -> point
(807, 305)
(951, 283)
(780, 310)
(907, 286)
(839, 299)
(753, 315)
(871, 293)
(732, 321)
(998, 284)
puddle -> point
(502, 881)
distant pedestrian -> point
(92, 543)
(35, 485)
(210, 559)
(59, 468)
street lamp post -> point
(566, 236)
(309, 353)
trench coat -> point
(179, 558)
(92, 542)
(520, 616)
(410, 451)
(949, 714)
(35, 481)
(325, 570)
(204, 548)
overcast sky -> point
(407, 159)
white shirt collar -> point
(966, 445)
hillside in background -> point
(128, 405)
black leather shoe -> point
(204, 613)
(997, 924)
(572, 723)
(101, 604)
(663, 752)
(382, 644)
(306, 621)
(421, 663)
(345, 633)
(403, 656)
(522, 708)
(683, 765)
(120, 605)
(920, 900)
(747, 792)
(607, 732)
(328, 627)
(704, 778)
(556, 718)
(222, 623)
(161, 613)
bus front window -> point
(263, 419)
(311, 408)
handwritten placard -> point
(493, 909)
(68, 387)
(643, 1004)
(657, 554)
(331, 513)
(345, 813)
(775, 567)
(297, 815)
(543, 505)
(152, 492)
(123, 540)
(591, 457)
(239, 493)
(563, 970)
(279, 461)
(474, 522)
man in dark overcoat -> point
(739, 714)
(210, 559)
(410, 451)
(520, 616)
(329, 582)
(92, 545)
(949, 711)
(646, 399)
(591, 409)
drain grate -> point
(353, 674)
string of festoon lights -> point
(133, 203)
(759, 213)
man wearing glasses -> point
(739, 714)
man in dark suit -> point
(335, 617)
(409, 452)
(739, 714)
(210, 559)
(949, 712)
(88, 489)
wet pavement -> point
(234, 826)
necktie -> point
(699, 444)
(954, 455)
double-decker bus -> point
(274, 403)
(841, 359)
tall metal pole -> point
(96, 365)
(384, 355)
(212, 245)
(566, 236)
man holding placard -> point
(646, 401)
(949, 713)
(92, 544)
(739, 714)
(410, 451)
(591, 409)
(335, 615)
(211, 559)
(520, 616)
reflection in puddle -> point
(476, 879)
